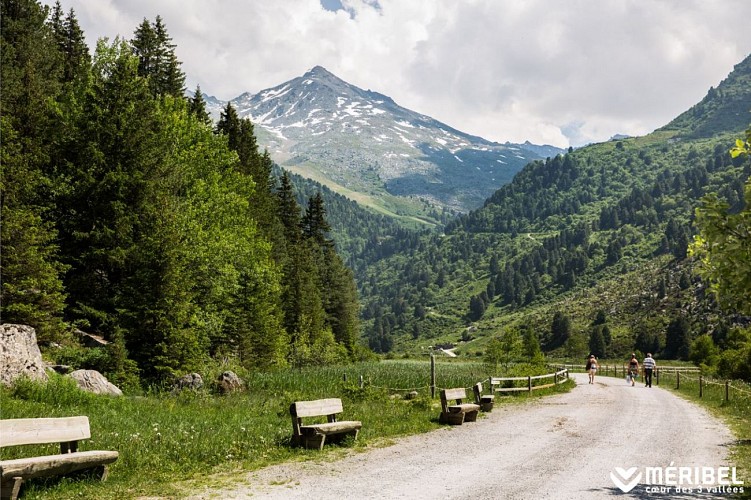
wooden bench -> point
(66, 431)
(458, 412)
(484, 400)
(314, 435)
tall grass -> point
(165, 439)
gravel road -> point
(558, 447)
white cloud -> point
(540, 70)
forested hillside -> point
(127, 213)
(597, 238)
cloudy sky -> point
(548, 71)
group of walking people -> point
(648, 366)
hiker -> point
(592, 368)
(633, 369)
(649, 366)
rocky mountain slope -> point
(364, 145)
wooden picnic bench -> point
(458, 412)
(315, 434)
(484, 400)
(67, 431)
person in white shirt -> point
(649, 366)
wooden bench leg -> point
(10, 488)
(452, 418)
(315, 442)
(471, 416)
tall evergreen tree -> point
(197, 106)
(560, 330)
(32, 291)
(72, 45)
(678, 339)
(157, 60)
(314, 223)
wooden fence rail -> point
(557, 376)
(734, 389)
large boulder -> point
(192, 381)
(19, 354)
(93, 381)
(229, 382)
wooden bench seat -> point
(314, 435)
(458, 412)
(484, 400)
(66, 431)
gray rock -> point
(229, 382)
(91, 340)
(93, 381)
(19, 354)
(192, 381)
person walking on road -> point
(633, 369)
(592, 368)
(649, 366)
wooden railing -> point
(621, 370)
(529, 386)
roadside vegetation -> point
(168, 441)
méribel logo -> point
(625, 478)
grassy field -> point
(735, 411)
(170, 441)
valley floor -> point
(563, 446)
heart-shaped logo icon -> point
(622, 478)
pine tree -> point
(157, 60)
(171, 79)
(314, 224)
(597, 343)
(678, 339)
(560, 330)
(197, 106)
(32, 291)
(74, 49)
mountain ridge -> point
(361, 143)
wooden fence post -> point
(677, 380)
(700, 387)
(432, 375)
(727, 390)
(362, 382)
(657, 376)
(529, 383)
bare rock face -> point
(229, 382)
(192, 381)
(90, 340)
(19, 354)
(93, 381)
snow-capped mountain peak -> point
(320, 126)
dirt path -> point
(562, 446)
